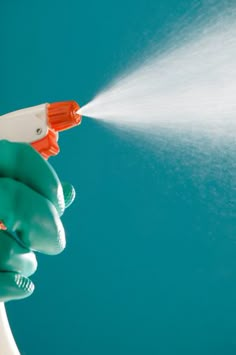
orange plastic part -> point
(2, 226)
(47, 146)
(63, 115)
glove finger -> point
(31, 218)
(15, 258)
(14, 286)
(69, 193)
(21, 162)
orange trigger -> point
(47, 146)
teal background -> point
(150, 263)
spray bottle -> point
(39, 126)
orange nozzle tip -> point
(63, 115)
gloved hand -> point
(32, 199)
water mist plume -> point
(191, 86)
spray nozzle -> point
(63, 115)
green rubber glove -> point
(32, 199)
